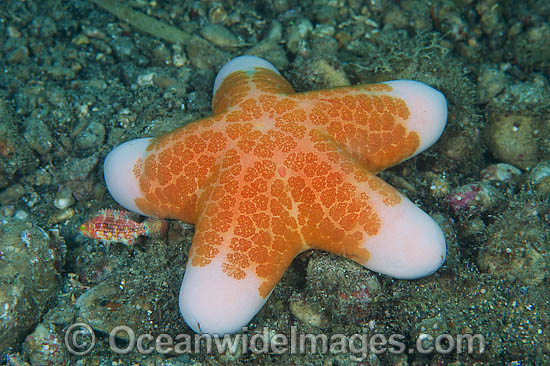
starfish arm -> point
(174, 170)
(342, 208)
(244, 241)
(245, 77)
(380, 125)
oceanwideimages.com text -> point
(80, 339)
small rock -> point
(103, 309)
(204, 55)
(45, 347)
(123, 49)
(160, 54)
(473, 228)
(439, 185)
(43, 26)
(272, 52)
(492, 21)
(19, 55)
(64, 199)
(38, 136)
(341, 287)
(514, 248)
(7, 211)
(297, 35)
(319, 73)
(76, 169)
(57, 97)
(219, 35)
(307, 313)
(529, 94)
(324, 45)
(21, 215)
(179, 58)
(93, 135)
(275, 33)
(474, 198)
(501, 172)
(490, 83)
(61, 216)
(217, 13)
(60, 73)
(11, 194)
(81, 39)
(539, 178)
(512, 139)
(28, 279)
(397, 18)
(531, 49)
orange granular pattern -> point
(273, 173)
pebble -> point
(92, 136)
(43, 26)
(39, 177)
(512, 138)
(275, 32)
(204, 55)
(474, 198)
(61, 216)
(38, 136)
(7, 211)
(60, 73)
(297, 35)
(474, 227)
(271, 51)
(122, 48)
(179, 58)
(21, 215)
(458, 148)
(217, 13)
(439, 185)
(539, 178)
(160, 54)
(219, 35)
(397, 18)
(490, 82)
(492, 21)
(11, 194)
(531, 49)
(18, 55)
(531, 93)
(77, 168)
(307, 314)
(343, 289)
(501, 172)
(514, 247)
(321, 73)
(64, 199)
(80, 40)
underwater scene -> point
(319, 182)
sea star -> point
(273, 173)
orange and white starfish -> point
(273, 173)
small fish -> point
(115, 226)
